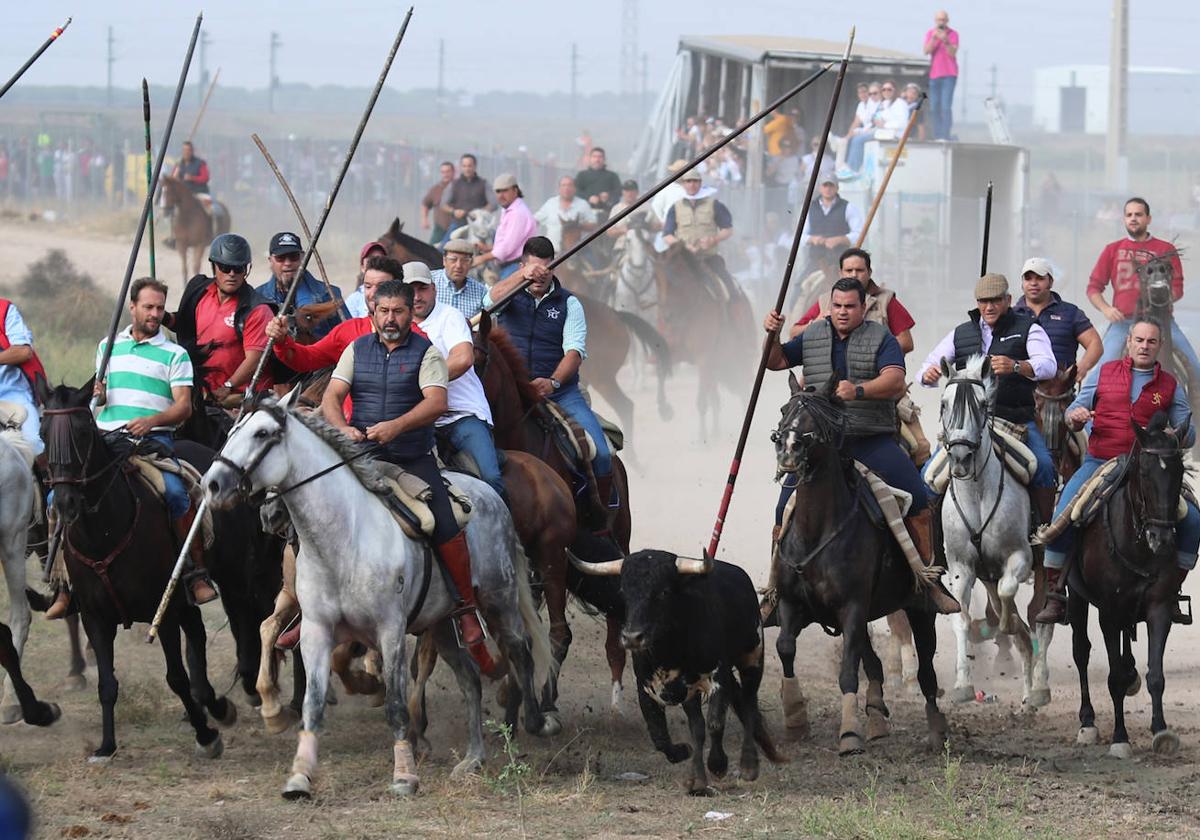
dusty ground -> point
(1008, 773)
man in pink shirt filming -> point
(941, 45)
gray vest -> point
(863, 417)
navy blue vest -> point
(387, 385)
(1058, 319)
(1014, 393)
(537, 330)
(833, 224)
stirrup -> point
(1179, 616)
(459, 612)
(198, 574)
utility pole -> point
(993, 81)
(645, 82)
(275, 45)
(1116, 164)
(629, 49)
(962, 85)
(108, 95)
(203, 86)
(441, 94)
(574, 80)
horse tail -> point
(651, 339)
(544, 663)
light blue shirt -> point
(574, 327)
(1179, 412)
(356, 303)
(13, 384)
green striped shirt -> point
(140, 377)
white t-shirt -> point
(895, 115)
(447, 328)
(551, 216)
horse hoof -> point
(100, 760)
(282, 722)
(405, 787)
(699, 789)
(962, 694)
(1135, 686)
(851, 744)
(748, 773)
(877, 727)
(466, 768)
(231, 715)
(1166, 743)
(1088, 736)
(1121, 750)
(551, 725)
(214, 749)
(1039, 697)
(298, 786)
(73, 682)
(10, 715)
(374, 701)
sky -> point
(525, 45)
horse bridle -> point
(972, 445)
(85, 458)
(830, 429)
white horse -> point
(16, 512)
(359, 577)
(636, 289)
(985, 521)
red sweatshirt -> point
(1118, 264)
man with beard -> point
(284, 256)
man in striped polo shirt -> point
(147, 394)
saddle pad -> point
(150, 470)
(1017, 457)
(574, 433)
(412, 494)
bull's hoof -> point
(1039, 697)
(551, 725)
(962, 694)
(10, 715)
(282, 722)
(1166, 743)
(73, 682)
(1135, 686)
(678, 752)
(1121, 750)
(213, 749)
(877, 726)
(1088, 736)
(298, 786)
(466, 768)
(850, 743)
(405, 786)
(230, 717)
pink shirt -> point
(517, 225)
(941, 63)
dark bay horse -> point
(191, 225)
(1051, 399)
(407, 248)
(1125, 565)
(520, 425)
(839, 569)
(120, 550)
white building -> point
(1074, 99)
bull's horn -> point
(692, 566)
(608, 567)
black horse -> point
(33, 711)
(1125, 565)
(840, 569)
(120, 550)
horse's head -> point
(1158, 481)
(1155, 276)
(400, 246)
(1052, 397)
(252, 459)
(310, 316)
(482, 224)
(812, 427)
(74, 446)
(169, 191)
(482, 339)
(966, 406)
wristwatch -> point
(228, 384)
(555, 384)
(859, 392)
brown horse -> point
(191, 225)
(1052, 398)
(520, 425)
(707, 320)
(407, 248)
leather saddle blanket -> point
(150, 469)
(912, 436)
(12, 416)
(408, 497)
(1008, 442)
(574, 440)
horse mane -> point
(973, 369)
(364, 467)
(499, 338)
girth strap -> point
(100, 567)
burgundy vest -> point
(1111, 433)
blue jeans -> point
(1187, 532)
(941, 98)
(1044, 475)
(474, 437)
(854, 152)
(1114, 346)
(572, 402)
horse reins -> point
(960, 406)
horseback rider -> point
(398, 380)
(548, 327)
(868, 365)
(644, 217)
(454, 286)
(1132, 387)
(467, 423)
(517, 224)
(284, 256)
(832, 224)
(192, 170)
(882, 304)
(19, 366)
(1118, 264)
(1021, 356)
(225, 318)
(701, 223)
(147, 394)
(1065, 324)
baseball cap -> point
(417, 272)
(285, 243)
(459, 246)
(369, 247)
(691, 175)
(504, 181)
(630, 185)
(991, 286)
(1038, 265)
(829, 178)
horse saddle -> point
(150, 469)
(461, 461)
(407, 497)
(575, 441)
(912, 436)
(1008, 442)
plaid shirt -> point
(468, 300)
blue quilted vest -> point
(537, 330)
(387, 385)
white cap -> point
(417, 272)
(1039, 266)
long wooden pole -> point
(204, 105)
(45, 46)
(337, 184)
(287, 190)
(149, 171)
(987, 229)
(887, 176)
(736, 464)
(147, 206)
(657, 188)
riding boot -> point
(1055, 611)
(1178, 616)
(770, 594)
(919, 528)
(456, 557)
(1043, 504)
(61, 605)
(201, 587)
(604, 489)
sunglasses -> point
(230, 269)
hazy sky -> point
(525, 44)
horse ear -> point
(794, 384)
(1139, 432)
(830, 388)
(83, 396)
(1068, 375)
(396, 227)
(986, 370)
(485, 323)
(41, 388)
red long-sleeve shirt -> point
(303, 358)
(1118, 264)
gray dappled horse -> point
(17, 488)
